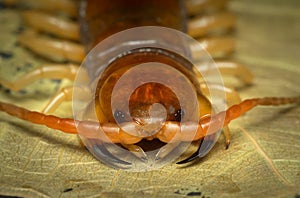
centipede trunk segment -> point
(143, 93)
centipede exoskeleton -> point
(143, 92)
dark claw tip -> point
(189, 159)
(194, 156)
(227, 145)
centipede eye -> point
(119, 116)
(178, 115)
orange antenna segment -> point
(66, 125)
(223, 118)
(207, 125)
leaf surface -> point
(262, 161)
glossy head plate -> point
(138, 91)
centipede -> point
(143, 93)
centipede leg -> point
(236, 69)
(65, 94)
(232, 97)
(227, 135)
(68, 7)
(54, 49)
(230, 68)
(57, 26)
(215, 46)
(53, 71)
(197, 6)
(203, 25)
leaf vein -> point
(266, 158)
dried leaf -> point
(262, 161)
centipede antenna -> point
(237, 110)
(66, 125)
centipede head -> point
(144, 81)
